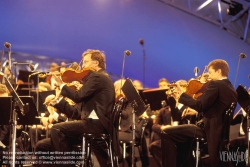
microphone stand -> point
(13, 121)
(141, 41)
(242, 55)
(144, 65)
(134, 105)
(126, 53)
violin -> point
(69, 75)
(196, 87)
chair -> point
(127, 141)
(200, 153)
(93, 140)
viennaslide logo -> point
(237, 156)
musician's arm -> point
(71, 111)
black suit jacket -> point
(217, 97)
(73, 112)
(97, 93)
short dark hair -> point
(98, 56)
(220, 64)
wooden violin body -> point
(70, 75)
(195, 88)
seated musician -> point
(54, 67)
(239, 144)
(4, 129)
(96, 98)
(163, 83)
(137, 84)
(170, 115)
(8, 74)
(125, 132)
(219, 94)
(47, 121)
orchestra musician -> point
(4, 129)
(163, 83)
(169, 115)
(47, 122)
(218, 96)
(137, 84)
(8, 74)
(97, 98)
(125, 131)
(54, 67)
(240, 144)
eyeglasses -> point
(87, 61)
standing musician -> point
(97, 98)
(218, 96)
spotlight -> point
(234, 8)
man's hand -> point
(58, 80)
(165, 126)
(188, 112)
(45, 121)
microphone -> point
(141, 41)
(196, 70)
(7, 45)
(242, 55)
(35, 73)
(127, 52)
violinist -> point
(217, 97)
(97, 98)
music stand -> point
(24, 76)
(42, 97)
(13, 121)
(243, 98)
(138, 106)
(5, 110)
(156, 98)
(244, 101)
(28, 119)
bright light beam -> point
(204, 4)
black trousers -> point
(33, 137)
(176, 143)
(239, 145)
(156, 151)
(65, 134)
